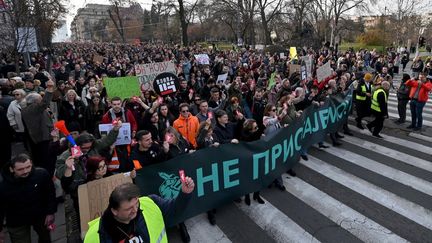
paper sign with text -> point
(147, 72)
(124, 136)
(324, 72)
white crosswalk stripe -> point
(281, 226)
(404, 192)
(357, 224)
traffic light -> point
(422, 41)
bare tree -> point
(267, 15)
(21, 16)
(117, 17)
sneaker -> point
(377, 135)
(304, 157)
(323, 146)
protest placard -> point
(324, 72)
(124, 136)
(123, 87)
(98, 58)
(93, 197)
(166, 83)
(147, 72)
(293, 68)
(221, 78)
(308, 63)
(293, 53)
(202, 59)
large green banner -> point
(232, 170)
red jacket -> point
(424, 89)
(107, 118)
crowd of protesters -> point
(202, 113)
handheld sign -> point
(76, 151)
(166, 83)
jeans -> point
(417, 113)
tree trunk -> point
(183, 23)
(267, 39)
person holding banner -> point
(131, 218)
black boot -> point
(247, 199)
(291, 172)
(184, 233)
(211, 217)
(257, 198)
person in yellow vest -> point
(363, 99)
(379, 109)
(130, 218)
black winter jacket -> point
(25, 200)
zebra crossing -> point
(367, 190)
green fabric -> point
(375, 105)
(152, 216)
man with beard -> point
(27, 199)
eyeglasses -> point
(184, 111)
(101, 168)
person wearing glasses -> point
(187, 124)
(96, 168)
(89, 147)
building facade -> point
(93, 23)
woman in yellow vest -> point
(130, 218)
(379, 108)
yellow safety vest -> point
(375, 105)
(362, 97)
(152, 216)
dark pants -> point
(362, 109)
(378, 123)
(402, 103)
(22, 234)
(417, 113)
(5, 152)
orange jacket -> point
(188, 128)
(424, 89)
